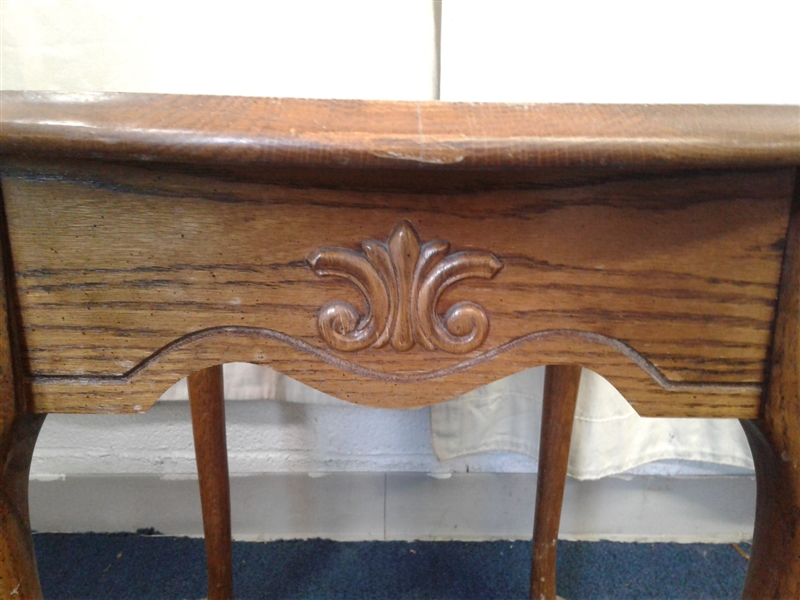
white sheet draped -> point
(608, 436)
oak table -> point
(399, 254)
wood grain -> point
(18, 432)
(561, 385)
(775, 441)
(128, 283)
(155, 236)
(19, 577)
(207, 402)
(353, 134)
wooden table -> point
(401, 254)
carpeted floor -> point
(101, 566)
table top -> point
(223, 130)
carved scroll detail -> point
(401, 281)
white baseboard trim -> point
(404, 506)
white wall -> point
(291, 48)
(621, 51)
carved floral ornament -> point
(402, 281)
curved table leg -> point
(775, 441)
(561, 384)
(18, 575)
(774, 570)
(18, 432)
(208, 424)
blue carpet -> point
(102, 566)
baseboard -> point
(404, 506)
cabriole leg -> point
(775, 441)
(18, 575)
(774, 570)
(18, 432)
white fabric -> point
(502, 51)
(608, 436)
(244, 381)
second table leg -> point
(207, 402)
(561, 384)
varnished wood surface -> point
(133, 279)
(18, 432)
(349, 133)
(207, 403)
(561, 385)
(401, 281)
(775, 441)
(154, 236)
(19, 576)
